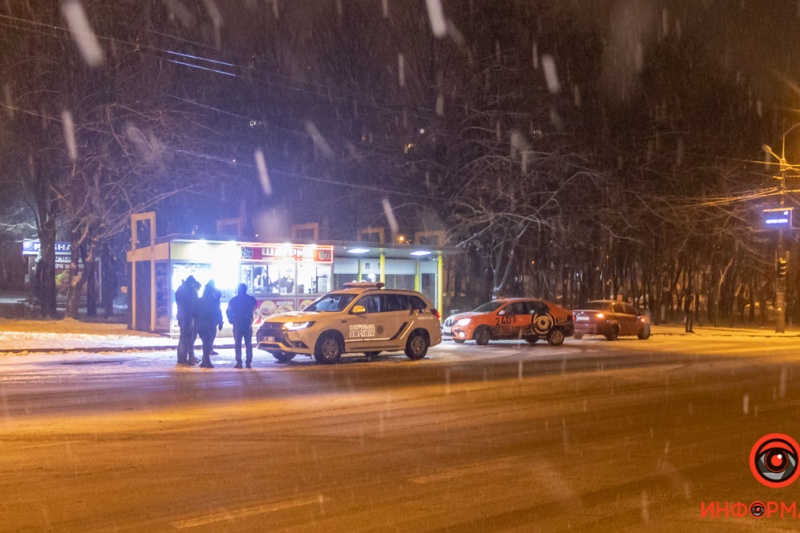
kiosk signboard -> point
(288, 252)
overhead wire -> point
(144, 48)
(66, 36)
(371, 101)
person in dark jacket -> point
(208, 317)
(186, 298)
(240, 315)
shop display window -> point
(313, 279)
(269, 278)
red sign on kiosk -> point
(288, 252)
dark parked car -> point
(611, 319)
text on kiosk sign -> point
(294, 252)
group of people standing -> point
(202, 316)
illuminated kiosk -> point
(281, 276)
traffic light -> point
(783, 267)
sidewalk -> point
(59, 336)
(18, 337)
(710, 331)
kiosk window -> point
(313, 279)
(282, 277)
(269, 278)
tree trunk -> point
(46, 268)
(75, 278)
(90, 273)
(80, 241)
(109, 277)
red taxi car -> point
(511, 318)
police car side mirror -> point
(358, 310)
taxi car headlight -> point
(462, 322)
(294, 326)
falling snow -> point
(82, 33)
(263, 177)
(550, 74)
(390, 218)
(319, 141)
(436, 16)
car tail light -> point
(599, 315)
(436, 313)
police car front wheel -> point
(328, 349)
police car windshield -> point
(488, 307)
(331, 303)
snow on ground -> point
(70, 334)
(73, 335)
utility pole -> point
(781, 254)
(781, 264)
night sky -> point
(570, 132)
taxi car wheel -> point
(578, 336)
(645, 333)
(482, 336)
(531, 339)
(417, 346)
(283, 357)
(328, 349)
(614, 333)
(555, 337)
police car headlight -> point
(293, 326)
(463, 322)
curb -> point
(115, 349)
(764, 335)
(774, 336)
(160, 348)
